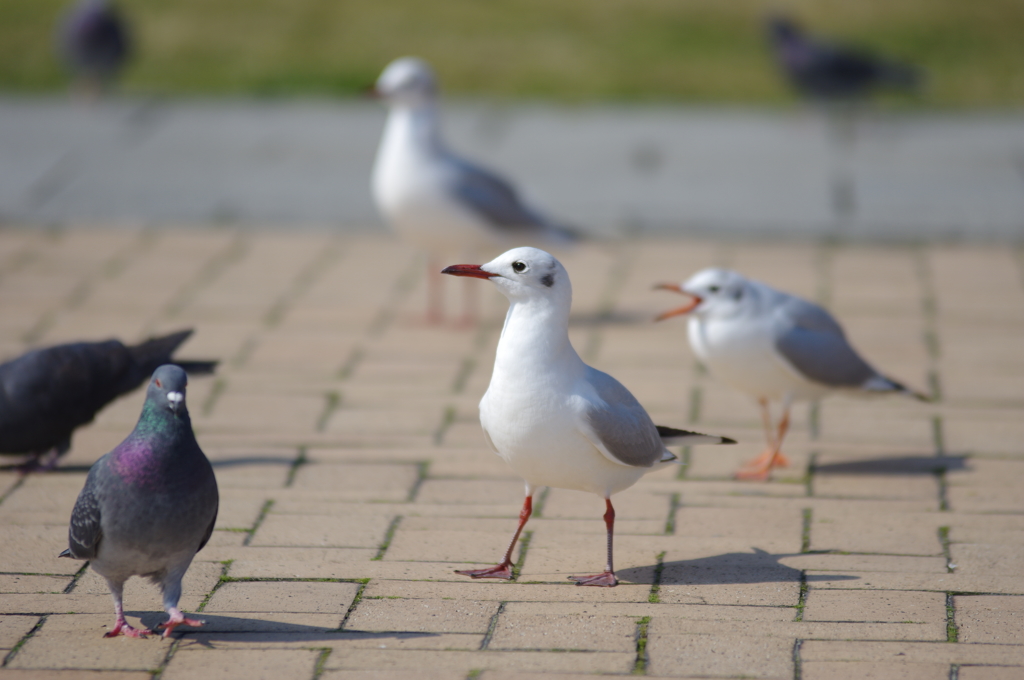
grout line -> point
(938, 436)
(76, 578)
(267, 504)
(696, 401)
(355, 356)
(798, 670)
(944, 540)
(403, 286)
(805, 531)
(216, 390)
(14, 487)
(422, 471)
(24, 639)
(542, 499)
(952, 631)
(224, 578)
(812, 467)
(616, 279)
(674, 503)
(491, 627)
(447, 419)
(640, 665)
(355, 602)
(654, 597)
(321, 661)
(801, 602)
(171, 650)
(210, 272)
(524, 547)
(332, 402)
(388, 535)
(814, 419)
(474, 673)
(299, 461)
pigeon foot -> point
(605, 580)
(122, 628)
(178, 619)
(503, 571)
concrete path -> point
(355, 479)
(610, 170)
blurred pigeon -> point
(826, 71)
(435, 199)
(773, 346)
(47, 393)
(149, 505)
(93, 42)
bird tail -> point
(155, 352)
(66, 553)
(670, 436)
(880, 383)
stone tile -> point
(315, 531)
(558, 630)
(283, 596)
(912, 652)
(461, 587)
(15, 674)
(729, 655)
(524, 662)
(989, 673)
(987, 559)
(269, 664)
(417, 674)
(879, 605)
(422, 615)
(989, 618)
(13, 628)
(471, 491)
(359, 482)
(33, 583)
(872, 670)
(852, 531)
(34, 549)
(76, 642)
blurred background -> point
(622, 115)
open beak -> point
(685, 309)
(472, 270)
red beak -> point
(467, 270)
(680, 310)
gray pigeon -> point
(94, 44)
(47, 393)
(149, 505)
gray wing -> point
(84, 532)
(620, 427)
(814, 343)
(491, 197)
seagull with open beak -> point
(773, 346)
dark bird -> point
(149, 505)
(93, 43)
(821, 70)
(47, 393)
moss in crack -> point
(952, 631)
(321, 661)
(267, 505)
(224, 578)
(640, 665)
(524, 547)
(801, 602)
(654, 597)
(355, 602)
(673, 509)
(805, 531)
(388, 535)
(24, 639)
(492, 626)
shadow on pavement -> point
(754, 567)
(902, 465)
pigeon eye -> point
(157, 382)
(519, 267)
(713, 289)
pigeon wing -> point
(814, 344)
(85, 532)
(617, 425)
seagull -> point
(94, 44)
(149, 505)
(555, 420)
(435, 199)
(773, 346)
(826, 71)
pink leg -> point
(607, 577)
(178, 619)
(504, 570)
(759, 468)
(121, 626)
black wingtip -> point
(66, 553)
(197, 367)
(727, 440)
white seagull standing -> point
(556, 421)
(431, 197)
(773, 346)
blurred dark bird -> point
(149, 505)
(820, 70)
(47, 393)
(93, 43)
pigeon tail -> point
(197, 367)
(155, 352)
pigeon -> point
(436, 200)
(556, 421)
(47, 393)
(823, 71)
(93, 43)
(149, 505)
(773, 346)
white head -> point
(523, 275)
(408, 81)
(715, 292)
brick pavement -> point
(354, 477)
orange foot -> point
(605, 580)
(758, 468)
(497, 571)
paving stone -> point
(418, 674)
(989, 672)
(577, 662)
(22, 583)
(987, 558)
(76, 642)
(423, 615)
(359, 482)
(271, 664)
(989, 618)
(912, 652)
(738, 654)
(14, 628)
(283, 596)
(34, 549)
(14, 674)
(891, 606)
(868, 670)
(320, 531)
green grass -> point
(570, 51)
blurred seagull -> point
(774, 346)
(826, 71)
(436, 200)
(553, 419)
(93, 43)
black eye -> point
(713, 289)
(518, 267)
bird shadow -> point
(226, 628)
(728, 568)
(899, 465)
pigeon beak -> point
(472, 270)
(175, 400)
(685, 309)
